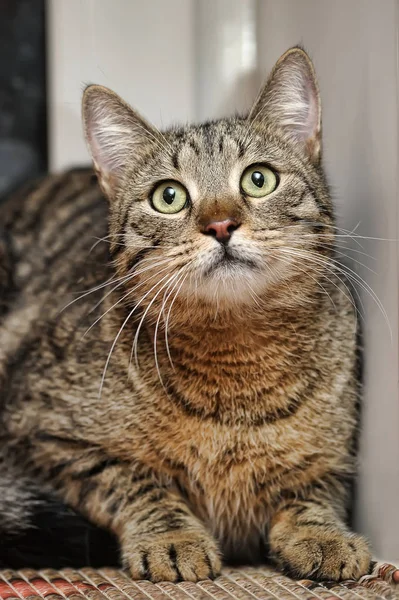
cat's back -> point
(49, 227)
(47, 233)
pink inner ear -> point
(107, 137)
(114, 131)
(296, 101)
(311, 125)
(291, 99)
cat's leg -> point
(308, 538)
(160, 538)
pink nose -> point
(221, 230)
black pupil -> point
(169, 195)
(258, 179)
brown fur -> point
(232, 435)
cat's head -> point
(228, 209)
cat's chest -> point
(230, 485)
(228, 452)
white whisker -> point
(95, 289)
(121, 329)
(129, 293)
(133, 275)
(169, 292)
(136, 337)
(347, 295)
(351, 275)
(167, 321)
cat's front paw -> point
(174, 556)
(318, 553)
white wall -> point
(144, 50)
(226, 74)
(177, 60)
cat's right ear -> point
(290, 101)
(114, 133)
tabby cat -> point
(185, 377)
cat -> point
(184, 377)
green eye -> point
(169, 197)
(258, 181)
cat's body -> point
(231, 415)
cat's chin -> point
(238, 280)
(229, 284)
(230, 277)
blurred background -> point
(23, 129)
(188, 60)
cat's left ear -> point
(290, 100)
(115, 134)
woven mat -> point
(234, 584)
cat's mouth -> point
(230, 273)
(230, 259)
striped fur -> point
(228, 431)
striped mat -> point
(247, 583)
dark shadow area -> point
(57, 537)
(23, 131)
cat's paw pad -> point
(324, 555)
(177, 556)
